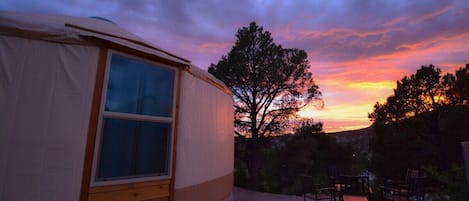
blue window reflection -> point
(132, 148)
(136, 87)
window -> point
(137, 120)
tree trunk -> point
(440, 139)
(254, 164)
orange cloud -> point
(372, 85)
(340, 117)
(213, 47)
(348, 102)
(440, 42)
(359, 70)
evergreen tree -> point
(269, 84)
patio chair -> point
(409, 176)
(316, 192)
(416, 188)
(353, 185)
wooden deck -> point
(355, 198)
(240, 194)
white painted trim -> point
(139, 117)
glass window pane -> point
(133, 148)
(116, 148)
(153, 148)
(139, 88)
(157, 96)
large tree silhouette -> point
(423, 92)
(269, 83)
(421, 122)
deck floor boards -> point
(240, 194)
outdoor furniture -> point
(411, 173)
(316, 192)
(415, 188)
(353, 185)
(333, 172)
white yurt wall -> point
(205, 149)
(46, 90)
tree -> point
(422, 121)
(309, 127)
(420, 93)
(456, 86)
(269, 84)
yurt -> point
(91, 112)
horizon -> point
(357, 51)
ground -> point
(240, 194)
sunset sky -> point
(357, 49)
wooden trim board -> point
(93, 125)
(142, 191)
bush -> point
(453, 180)
(284, 158)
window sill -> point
(147, 190)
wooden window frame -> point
(135, 117)
(88, 193)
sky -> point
(357, 49)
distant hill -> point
(362, 131)
(359, 139)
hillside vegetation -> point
(286, 157)
(359, 139)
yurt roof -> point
(74, 29)
(68, 29)
(201, 74)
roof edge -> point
(209, 78)
(127, 39)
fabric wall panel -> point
(45, 100)
(205, 147)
